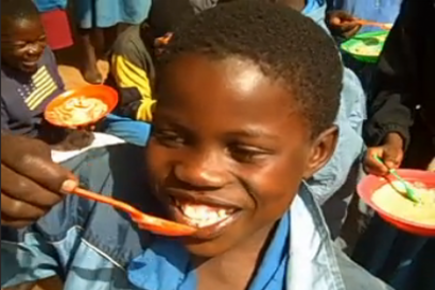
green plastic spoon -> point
(410, 193)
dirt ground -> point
(69, 62)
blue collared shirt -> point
(165, 264)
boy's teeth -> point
(203, 215)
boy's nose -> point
(205, 173)
(35, 50)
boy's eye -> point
(20, 45)
(245, 154)
(168, 138)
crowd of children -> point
(240, 106)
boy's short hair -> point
(166, 15)
(14, 10)
(286, 45)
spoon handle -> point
(104, 199)
(385, 26)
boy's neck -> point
(16, 71)
(235, 268)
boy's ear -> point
(164, 40)
(321, 151)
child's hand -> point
(391, 152)
(30, 181)
(342, 23)
(431, 166)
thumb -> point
(392, 156)
(431, 166)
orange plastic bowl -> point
(371, 183)
(106, 94)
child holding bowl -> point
(401, 130)
(29, 75)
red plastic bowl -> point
(107, 94)
(371, 183)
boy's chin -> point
(208, 248)
(28, 69)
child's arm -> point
(392, 107)
(134, 87)
(29, 190)
(48, 246)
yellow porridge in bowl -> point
(392, 199)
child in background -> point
(132, 71)
(29, 74)
(342, 21)
(99, 22)
(132, 57)
(256, 70)
(401, 130)
(347, 11)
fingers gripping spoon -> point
(410, 193)
(146, 222)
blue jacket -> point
(93, 246)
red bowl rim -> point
(367, 198)
(108, 93)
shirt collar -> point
(312, 5)
(165, 265)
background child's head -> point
(22, 35)
(248, 93)
(63, 139)
(163, 18)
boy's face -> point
(229, 150)
(23, 42)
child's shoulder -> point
(128, 40)
(47, 57)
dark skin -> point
(245, 160)
(391, 151)
(30, 181)
(23, 43)
(342, 24)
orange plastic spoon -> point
(385, 26)
(144, 221)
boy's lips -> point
(210, 215)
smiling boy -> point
(218, 159)
(333, 185)
(29, 76)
